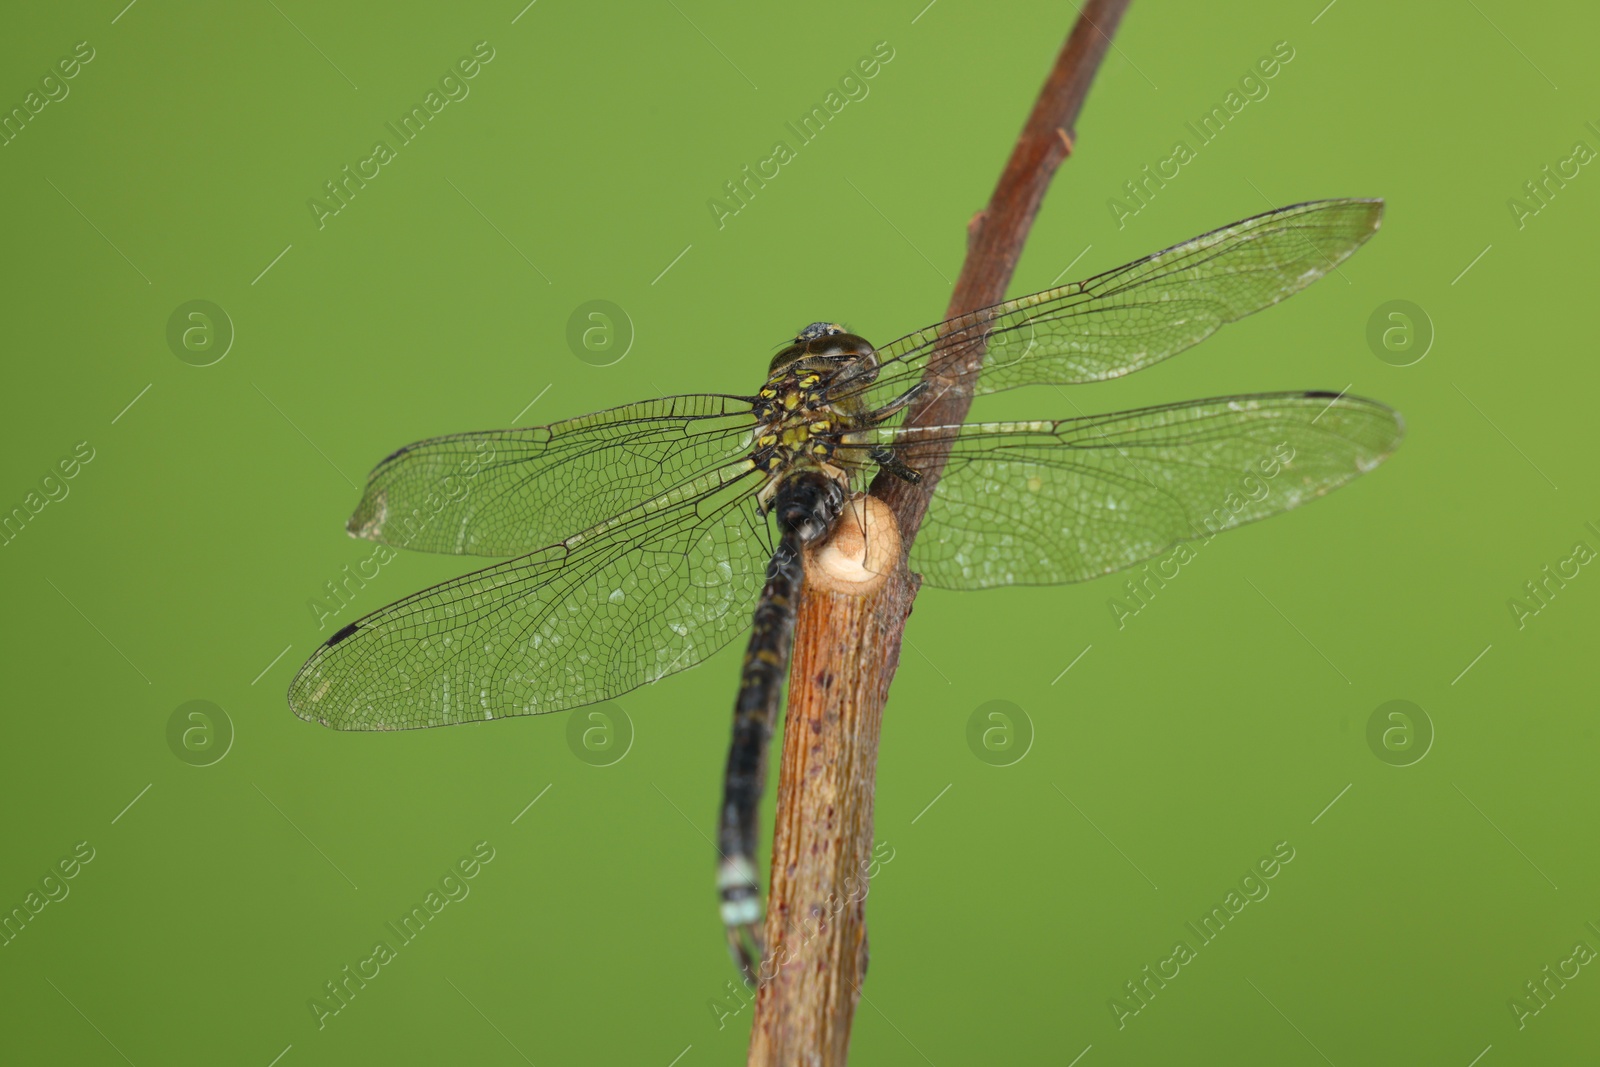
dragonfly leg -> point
(808, 502)
(898, 402)
(885, 458)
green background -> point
(1219, 721)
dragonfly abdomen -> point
(808, 503)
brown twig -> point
(846, 647)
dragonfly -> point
(645, 537)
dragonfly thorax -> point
(797, 424)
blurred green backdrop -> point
(180, 561)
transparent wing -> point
(506, 492)
(1128, 318)
(1037, 503)
(650, 592)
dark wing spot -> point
(341, 635)
(1322, 394)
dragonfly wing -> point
(650, 592)
(1038, 503)
(1141, 313)
(507, 492)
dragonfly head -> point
(821, 345)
